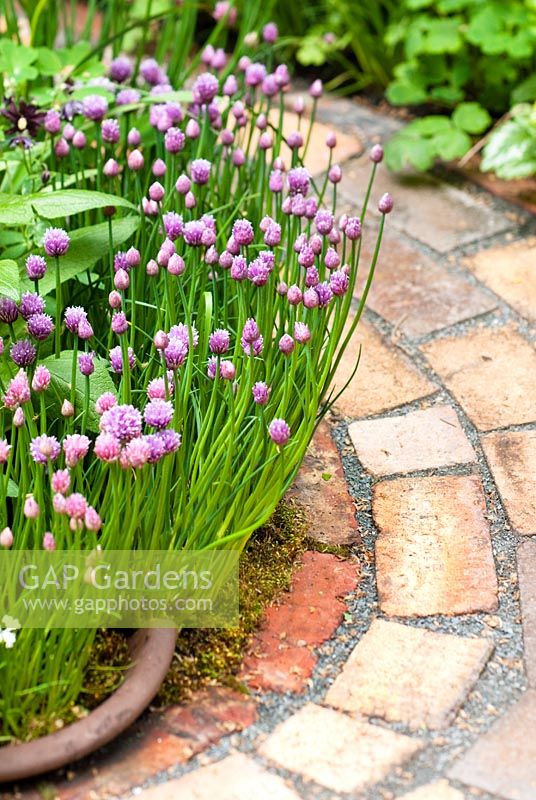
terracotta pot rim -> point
(152, 651)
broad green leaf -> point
(9, 279)
(451, 144)
(429, 126)
(443, 36)
(12, 488)
(402, 151)
(88, 245)
(48, 61)
(61, 372)
(526, 91)
(15, 210)
(400, 93)
(471, 117)
(447, 94)
(511, 151)
(64, 203)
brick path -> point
(409, 669)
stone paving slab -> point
(512, 459)
(434, 213)
(412, 292)
(510, 270)
(280, 657)
(491, 372)
(237, 777)
(410, 675)
(321, 490)
(503, 761)
(337, 751)
(433, 552)
(385, 379)
(526, 568)
(439, 790)
(419, 440)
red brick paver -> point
(512, 458)
(491, 372)
(281, 657)
(409, 442)
(321, 490)
(411, 675)
(337, 751)
(433, 553)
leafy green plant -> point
(511, 149)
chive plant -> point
(175, 337)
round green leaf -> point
(471, 117)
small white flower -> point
(8, 637)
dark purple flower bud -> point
(56, 242)
(324, 293)
(61, 148)
(85, 363)
(30, 304)
(376, 153)
(174, 140)
(120, 69)
(385, 206)
(119, 323)
(110, 130)
(52, 123)
(151, 71)
(40, 326)
(36, 266)
(94, 107)
(205, 88)
(23, 353)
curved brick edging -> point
(421, 692)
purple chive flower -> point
(156, 192)
(86, 364)
(40, 326)
(311, 277)
(124, 422)
(193, 233)
(316, 89)
(200, 171)
(120, 69)
(306, 257)
(239, 268)
(23, 353)
(94, 107)
(339, 282)
(385, 206)
(61, 148)
(230, 87)
(111, 131)
(159, 168)
(219, 341)
(75, 447)
(352, 229)
(36, 266)
(44, 449)
(258, 272)
(261, 393)
(270, 33)
(183, 184)
(324, 222)
(227, 370)
(286, 344)
(41, 379)
(250, 331)
(52, 123)
(156, 447)
(193, 129)
(175, 353)
(252, 348)
(30, 304)
(255, 74)
(111, 168)
(56, 242)
(151, 71)
(107, 447)
(176, 265)
(335, 174)
(212, 367)
(119, 323)
(239, 157)
(174, 140)
(127, 97)
(158, 413)
(272, 236)
(332, 259)
(299, 180)
(295, 140)
(9, 311)
(170, 439)
(205, 88)
(173, 225)
(324, 293)
(73, 316)
(376, 153)
(294, 295)
(116, 359)
(243, 232)
(302, 333)
(279, 431)
(310, 298)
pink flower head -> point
(75, 447)
(302, 333)
(156, 389)
(92, 519)
(49, 542)
(137, 453)
(44, 449)
(107, 447)
(61, 480)
(105, 402)
(279, 431)
(158, 413)
(76, 505)
(18, 390)
(31, 507)
(41, 378)
(4, 451)
(56, 242)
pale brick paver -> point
(439, 790)
(526, 568)
(491, 372)
(418, 440)
(410, 675)
(322, 492)
(385, 379)
(235, 778)
(510, 271)
(434, 213)
(503, 760)
(337, 751)
(415, 294)
(512, 458)
(433, 553)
